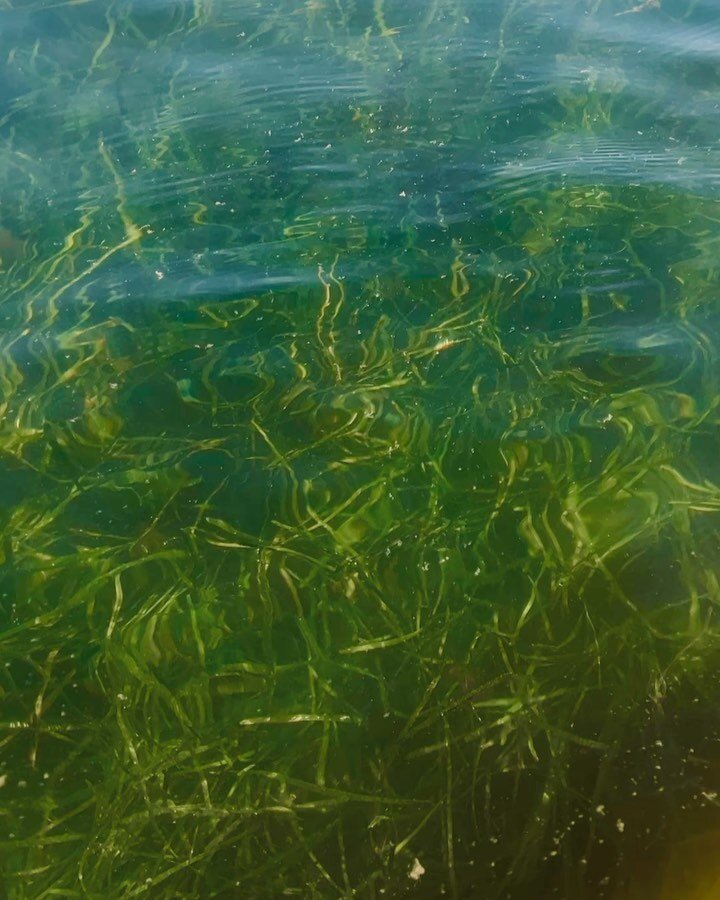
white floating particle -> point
(417, 871)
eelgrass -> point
(332, 541)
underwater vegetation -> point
(359, 442)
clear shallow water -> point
(359, 449)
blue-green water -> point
(359, 449)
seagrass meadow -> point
(359, 449)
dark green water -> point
(359, 447)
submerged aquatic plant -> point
(350, 547)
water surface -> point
(359, 486)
